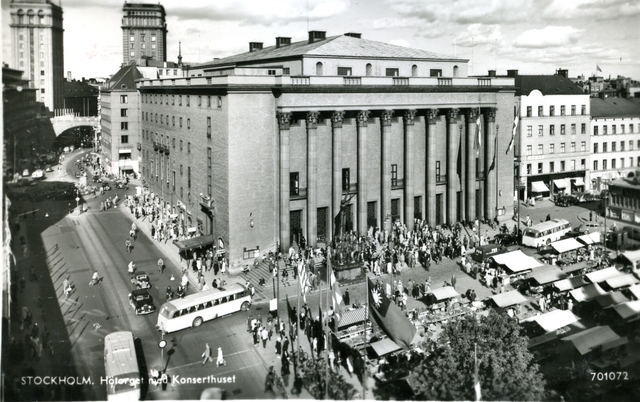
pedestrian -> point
(249, 321)
(66, 287)
(285, 345)
(265, 337)
(131, 268)
(346, 298)
(220, 360)
(453, 280)
(255, 336)
(278, 346)
(269, 381)
(207, 354)
(160, 265)
(95, 279)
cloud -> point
(591, 9)
(479, 34)
(550, 36)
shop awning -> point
(570, 283)
(555, 274)
(587, 293)
(590, 238)
(560, 183)
(611, 299)
(578, 182)
(385, 347)
(622, 281)
(509, 298)
(352, 317)
(200, 241)
(603, 274)
(446, 292)
(590, 339)
(628, 309)
(556, 319)
(539, 187)
(562, 246)
(632, 256)
(635, 291)
(516, 261)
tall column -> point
(409, 117)
(430, 206)
(490, 166)
(452, 159)
(284, 120)
(472, 153)
(385, 197)
(362, 119)
(336, 161)
(312, 178)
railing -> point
(480, 176)
(396, 184)
(441, 179)
(400, 81)
(484, 82)
(352, 81)
(445, 82)
(353, 189)
(300, 81)
(301, 193)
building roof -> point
(614, 107)
(125, 78)
(547, 84)
(333, 46)
(82, 89)
(624, 183)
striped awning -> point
(539, 187)
(578, 182)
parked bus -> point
(121, 367)
(545, 232)
(195, 309)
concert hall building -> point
(262, 147)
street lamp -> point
(77, 200)
(604, 238)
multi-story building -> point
(37, 46)
(144, 32)
(81, 98)
(119, 122)
(615, 141)
(623, 201)
(553, 147)
(314, 137)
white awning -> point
(570, 283)
(551, 275)
(587, 293)
(622, 281)
(578, 182)
(539, 187)
(635, 291)
(124, 151)
(565, 245)
(556, 319)
(632, 256)
(603, 274)
(509, 298)
(560, 183)
(590, 339)
(516, 261)
(611, 299)
(385, 346)
(446, 292)
(628, 309)
(590, 238)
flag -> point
(304, 279)
(478, 134)
(389, 317)
(513, 134)
(495, 152)
(336, 295)
(598, 67)
(476, 378)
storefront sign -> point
(627, 216)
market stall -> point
(622, 281)
(385, 347)
(629, 311)
(551, 326)
(611, 299)
(551, 275)
(567, 284)
(516, 262)
(589, 238)
(603, 274)
(567, 250)
(587, 293)
(588, 340)
(508, 299)
(635, 291)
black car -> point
(566, 200)
(141, 301)
(141, 280)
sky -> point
(532, 36)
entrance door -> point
(438, 209)
(295, 226)
(348, 218)
(321, 228)
(371, 215)
(458, 206)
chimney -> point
(282, 42)
(253, 46)
(563, 72)
(492, 73)
(68, 75)
(353, 34)
(315, 36)
(512, 73)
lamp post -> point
(604, 238)
(495, 150)
(77, 200)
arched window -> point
(455, 71)
(369, 68)
(318, 68)
(20, 16)
(414, 71)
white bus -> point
(121, 367)
(545, 232)
(195, 309)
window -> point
(346, 179)
(529, 131)
(188, 176)
(604, 164)
(219, 102)
(573, 129)
(562, 132)
(124, 139)
(153, 38)
(143, 46)
(392, 72)
(124, 125)
(132, 38)
(344, 70)
(583, 110)
(199, 100)
(294, 184)
(208, 127)
(540, 149)
(188, 100)
(208, 101)
(552, 167)
(540, 168)
(124, 99)
(621, 128)
(552, 129)
(394, 175)
(604, 147)
(123, 112)
(604, 130)
(573, 164)
(595, 148)
(438, 168)
(562, 148)
(552, 110)
(631, 128)
(622, 162)
(621, 145)
(540, 111)
(188, 123)
(181, 145)
(563, 110)
(638, 163)
(529, 150)
(583, 146)
(180, 122)
(573, 110)
(630, 145)
(613, 129)
(552, 148)
(188, 147)
(529, 114)
(173, 121)
(562, 166)
(540, 131)
(573, 147)
(435, 72)
(583, 128)
(613, 146)
(595, 165)
(613, 163)
(528, 169)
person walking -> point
(220, 361)
(453, 280)
(278, 346)
(95, 279)
(207, 354)
(346, 298)
(265, 337)
(160, 265)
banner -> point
(389, 318)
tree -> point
(505, 366)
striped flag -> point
(476, 378)
(515, 129)
(336, 296)
(304, 279)
(478, 134)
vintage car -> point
(566, 200)
(141, 302)
(141, 280)
(106, 186)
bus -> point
(545, 232)
(195, 309)
(121, 367)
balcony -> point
(139, 146)
(161, 148)
(397, 184)
(442, 179)
(156, 146)
(352, 81)
(166, 150)
(353, 189)
(480, 176)
(299, 80)
(298, 194)
(400, 81)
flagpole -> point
(298, 323)
(326, 331)
(364, 334)
(496, 150)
